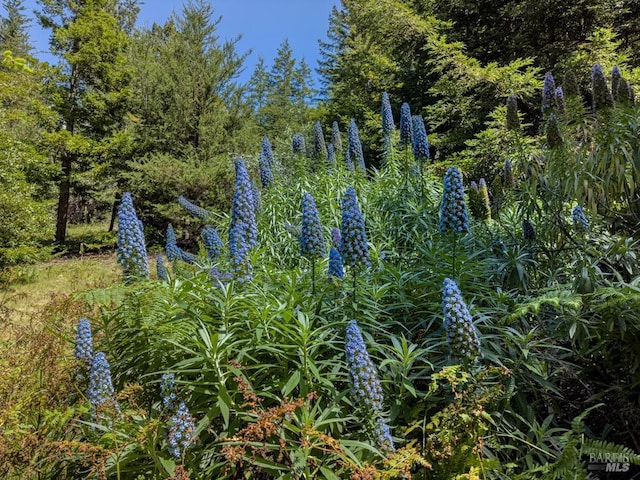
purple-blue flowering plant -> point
(602, 98)
(453, 211)
(298, 144)
(243, 218)
(388, 127)
(336, 269)
(168, 391)
(193, 209)
(132, 251)
(319, 145)
(212, 242)
(462, 335)
(181, 431)
(354, 152)
(580, 221)
(354, 247)
(100, 392)
(311, 236)
(512, 119)
(266, 175)
(548, 93)
(336, 137)
(420, 140)
(406, 126)
(161, 269)
(331, 156)
(266, 151)
(84, 344)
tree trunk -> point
(63, 198)
(114, 211)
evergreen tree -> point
(90, 94)
(14, 29)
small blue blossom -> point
(548, 92)
(219, 277)
(336, 268)
(383, 437)
(355, 147)
(100, 392)
(168, 391)
(420, 141)
(193, 209)
(462, 335)
(406, 126)
(336, 137)
(579, 219)
(212, 242)
(132, 252)
(453, 212)
(319, 145)
(311, 238)
(84, 343)
(354, 247)
(298, 144)
(365, 388)
(181, 431)
(161, 269)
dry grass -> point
(30, 288)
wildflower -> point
(266, 175)
(168, 390)
(181, 431)
(602, 98)
(548, 93)
(84, 343)
(406, 126)
(383, 436)
(420, 141)
(513, 121)
(192, 209)
(453, 212)
(528, 232)
(257, 198)
(212, 242)
(267, 152)
(366, 388)
(242, 208)
(331, 155)
(508, 177)
(336, 270)
(355, 147)
(132, 252)
(579, 219)
(319, 145)
(173, 251)
(220, 277)
(297, 143)
(387, 115)
(554, 136)
(100, 392)
(354, 247)
(161, 269)
(616, 76)
(462, 335)
(561, 104)
(311, 238)
(336, 137)
(241, 267)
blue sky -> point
(264, 24)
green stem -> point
(355, 284)
(313, 276)
(453, 260)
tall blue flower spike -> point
(311, 238)
(420, 140)
(336, 137)
(462, 335)
(336, 269)
(181, 431)
(132, 251)
(212, 242)
(319, 145)
(354, 151)
(453, 212)
(602, 98)
(406, 125)
(298, 144)
(548, 93)
(193, 209)
(354, 247)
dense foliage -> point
(457, 298)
